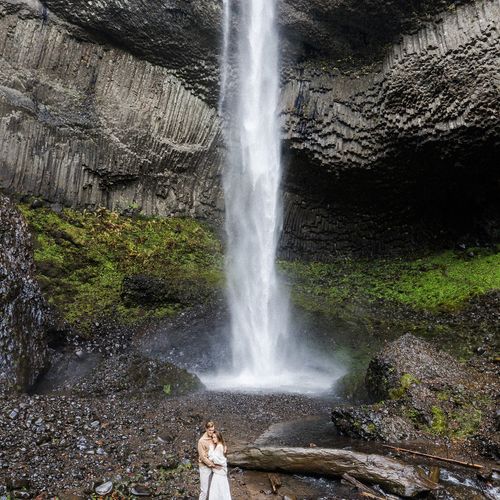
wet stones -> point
(23, 312)
(104, 489)
(422, 392)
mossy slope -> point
(83, 258)
(444, 297)
(443, 281)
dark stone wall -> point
(85, 124)
(402, 155)
(23, 312)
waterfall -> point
(259, 319)
(263, 353)
(224, 63)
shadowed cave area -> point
(426, 197)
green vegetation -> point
(404, 384)
(459, 423)
(443, 281)
(83, 258)
(366, 302)
(439, 422)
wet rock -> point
(104, 489)
(424, 393)
(370, 424)
(140, 491)
(23, 311)
(37, 203)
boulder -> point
(152, 291)
(421, 392)
(136, 375)
(409, 362)
(23, 311)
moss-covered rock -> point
(423, 392)
(86, 262)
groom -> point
(206, 465)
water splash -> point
(263, 353)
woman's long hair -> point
(220, 440)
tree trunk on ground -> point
(394, 475)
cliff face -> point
(398, 154)
(390, 111)
(23, 316)
(85, 123)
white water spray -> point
(263, 353)
(224, 63)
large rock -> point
(136, 375)
(408, 362)
(421, 392)
(151, 291)
(23, 313)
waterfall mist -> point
(264, 352)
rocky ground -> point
(66, 445)
(108, 410)
(133, 421)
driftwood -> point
(442, 459)
(394, 475)
(364, 490)
(275, 483)
(435, 473)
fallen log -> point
(394, 475)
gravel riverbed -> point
(65, 446)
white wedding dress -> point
(219, 487)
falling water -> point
(263, 352)
(224, 63)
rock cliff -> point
(390, 111)
(85, 123)
(23, 316)
(399, 153)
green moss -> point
(371, 428)
(441, 281)
(439, 422)
(412, 414)
(83, 257)
(405, 382)
(459, 423)
(466, 421)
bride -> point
(219, 487)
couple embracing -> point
(214, 484)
